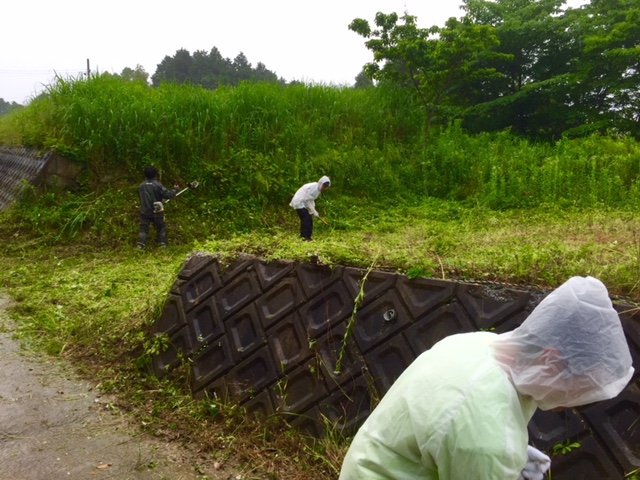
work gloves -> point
(537, 465)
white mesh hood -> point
(571, 350)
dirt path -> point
(54, 425)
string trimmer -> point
(159, 206)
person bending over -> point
(461, 409)
(304, 204)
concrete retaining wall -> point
(270, 337)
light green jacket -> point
(452, 415)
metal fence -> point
(23, 166)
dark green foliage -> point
(6, 107)
(608, 72)
(563, 71)
(209, 70)
(137, 75)
(535, 67)
(538, 47)
(434, 64)
(362, 81)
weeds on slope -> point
(539, 247)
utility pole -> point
(88, 70)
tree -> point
(262, 74)
(537, 54)
(137, 75)
(216, 70)
(209, 69)
(573, 71)
(609, 69)
(362, 81)
(8, 107)
(182, 64)
(436, 63)
(241, 68)
(174, 69)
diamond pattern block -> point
(320, 344)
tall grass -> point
(253, 145)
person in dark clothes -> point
(303, 203)
(151, 193)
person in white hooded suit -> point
(461, 409)
(303, 202)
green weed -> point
(633, 475)
(564, 448)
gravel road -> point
(55, 425)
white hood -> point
(571, 350)
(322, 181)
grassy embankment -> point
(445, 206)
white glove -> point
(317, 214)
(537, 465)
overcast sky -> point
(297, 39)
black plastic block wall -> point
(282, 338)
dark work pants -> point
(306, 223)
(157, 220)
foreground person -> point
(461, 409)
